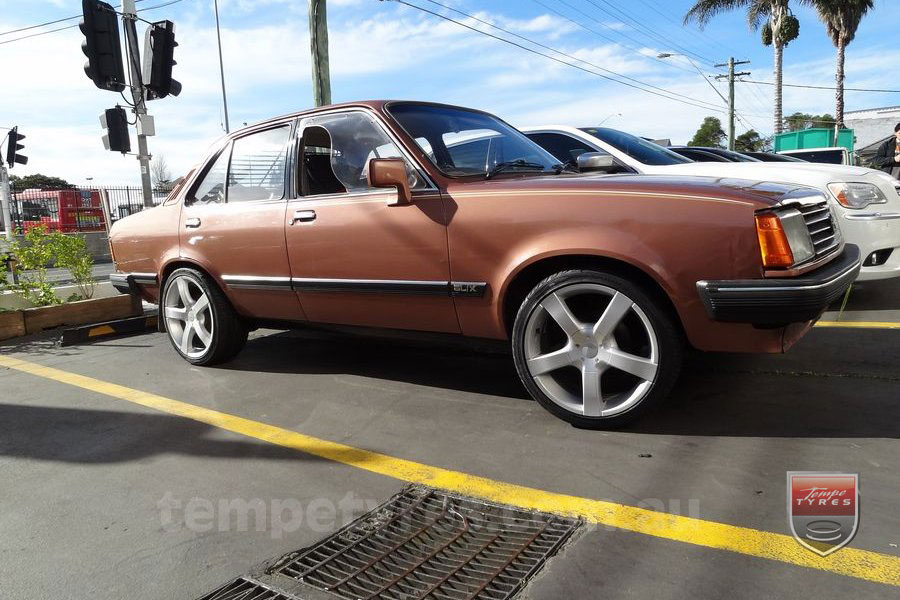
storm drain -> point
(424, 543)
(246, 589)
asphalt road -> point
(104, 498)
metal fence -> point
(75, 208)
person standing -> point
(888, 157)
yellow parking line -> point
(863, 564)
(860, 324)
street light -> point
(608, 118)
(693, 64)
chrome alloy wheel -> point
(591, 350)
(189, 318)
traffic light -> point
(115, 121)
(101, 45)
(159, 52)
(12, 148)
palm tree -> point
(841, 19)
(774, 12)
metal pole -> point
(221, 67)
(5, 200)
(318, 47)
(133, 55)
(731, 103)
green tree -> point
(709, 134)
(781, 26)
(799, 121)
(841, 19)
(750, 141)
(43, 182)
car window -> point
(471, 154)
(834, 157)
(637, 148)
(257, 166)
(565, 148)
(336, 153)
(211, 188)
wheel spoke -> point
(550, 361)
(590, 391)
(184, 293)
(557, 309)
(201, 304)
(176, 313)
(636, 365)
(204, 335)
(617, 309)
(187, 337)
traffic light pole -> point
(5, 202)
(133, 55)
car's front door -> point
(232, 223)
(358, 258)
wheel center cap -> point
(589, 351)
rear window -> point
(832, 157)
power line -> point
(647, 31)
(39, 33)
(677, 22)
(819, 87)
(540, 45)
(553, 58)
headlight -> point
(857, 195)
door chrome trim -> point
(253, 282)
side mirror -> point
(390, 172)
(596, 161)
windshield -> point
(736, 156)
(462, 142)
(637, 148)
(833, 157)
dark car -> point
(772, 157)
(709, 154)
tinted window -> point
(257, 166)
(566, 149)
(211, 188)
(833, 157)
(440, 131)
(337, 151)
(701, 155)
(637, 148)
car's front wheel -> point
(594, 348)
(200, 322)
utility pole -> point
(318, 47)
(222, 67)
(5, 201)
(144, 121)
(731, 75)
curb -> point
(128, 326)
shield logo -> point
(823, 509)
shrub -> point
(41, 248)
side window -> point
(336, 153)
(257, 166)
(211, 188)
(564, 148)
(470, 155)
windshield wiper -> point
(513, 164)
(566, 166)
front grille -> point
(429, 544)
(821, 227)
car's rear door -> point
(355, 258)
(232, 223)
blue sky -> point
(386, 50)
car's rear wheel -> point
(201, 323)
(594, 348)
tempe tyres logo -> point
(823, 509)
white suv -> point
(866, 201)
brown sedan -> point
(417, 216)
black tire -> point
(229, 334)
(668, 335)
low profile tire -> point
(200, 322)
(595, 349)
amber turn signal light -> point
(773, 243)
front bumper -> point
(874, 231)
(776, 302)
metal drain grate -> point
(245, 589)
(424, 543)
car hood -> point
(757, 193)
(809, 174)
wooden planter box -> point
(33, 320)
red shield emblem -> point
(823, 509)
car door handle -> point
(191, 223)
(303, 215)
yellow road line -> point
(860, 324)
(863, 564)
